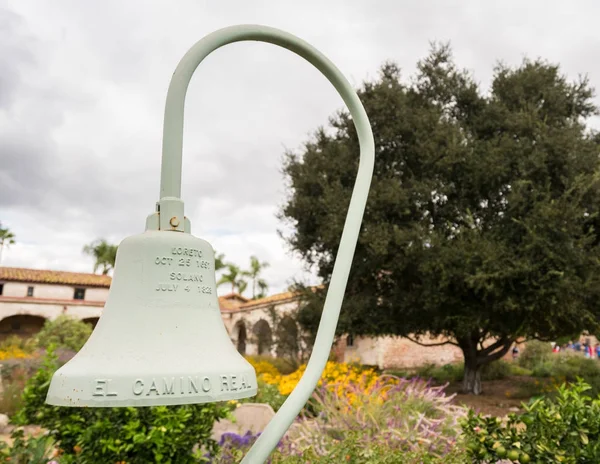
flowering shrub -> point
(391, 413)
(335, 376)
(13, 352)
(262, 366)
(233, 447)
(562, 430)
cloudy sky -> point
(83, 84)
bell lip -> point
(58, 400)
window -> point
(350, 340)
(29, 291)
(1, 288)
(79, 294)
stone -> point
(252, 417)
(3, 421)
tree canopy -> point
(481, 224)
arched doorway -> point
(92, 321)
(21, 325)
(241, 336)
(264, 337)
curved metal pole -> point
(171, 188)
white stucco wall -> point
(96, 294)
(250, 317)
(48, 291)
(365, 350)
(48, 311)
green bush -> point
(496, 370)
(26, 450)
(108, 435)
(562, 430)
(28, 345)
(569, 366)
(441, 374)
(535, 354)
(516, 369)
(64, 332)
(449, 373)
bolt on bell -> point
(160, 339)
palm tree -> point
(104, 253)
(256, 267)
(6, 238)
(219, 261)
(233, 276)
(242, 285)
(262, 285)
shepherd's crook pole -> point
(171, 189)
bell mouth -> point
(69, 388)
(161, 339)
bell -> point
(161, 339)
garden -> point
(358, 414)
(481, 231)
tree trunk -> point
(476, 356)
(472, 379)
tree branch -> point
(494, 346)
(448, 342)
(498, 354)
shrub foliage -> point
(565, 430)
(175, 434)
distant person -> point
(515, 352)
(556, 348)
(577, 346)
(570, 345)
(598, 351)
(585, 350)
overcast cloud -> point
(83, 84)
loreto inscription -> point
(192, 252)
(183, 266)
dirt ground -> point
(499, 397)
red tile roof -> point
(16, 274)
(231, 301)
(277, 298)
